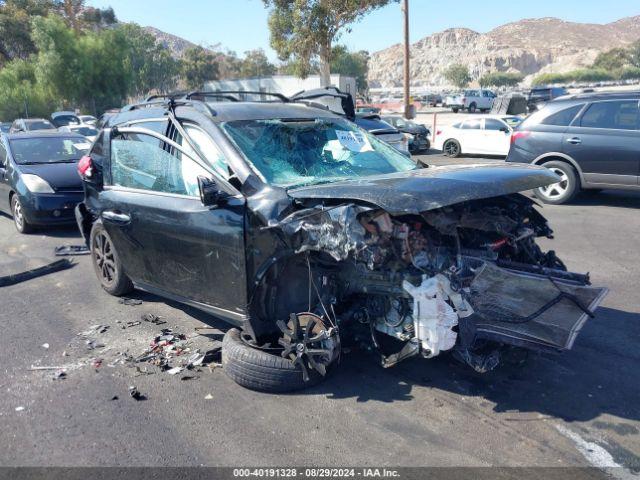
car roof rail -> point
(229, 94)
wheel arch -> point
(560, 157)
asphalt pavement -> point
(577, 409)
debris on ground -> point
(60, 375)
(135, 394)
(92, 344)
(67, 250)
(96, 363)
(19, 409)
(16, 278)
(59, 367)
(151, 318)
(208, 397)
(175, 370)
(129, 301)
(45, 345)
(130, 324)
(115, 397)
(94, 330)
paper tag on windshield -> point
(354, 141)
(82, 146)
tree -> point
(500, 79)
(256, 64)
(199, 66)
(306, 29)
(634, 54)
(15, 27)
(614, 59)
(352, 64)
(458, 75)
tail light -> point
(519, 134)
(85, 167)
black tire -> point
(451, 148)
(19, 220)
(455, 110)
(472, 108)
(106, 263)
(564, 191)
(260, 370)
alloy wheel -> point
(451, 149)
(18, 216)
(103, 256)
(556, 190)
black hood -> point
(58, 175)
(425, 189)
(414, 130)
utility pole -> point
(408, 111)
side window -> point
(493, 124)
(3, 156)
(563, 118)
(620, 115)
(475, 124)
(138, 161)
(208, 148)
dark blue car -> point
(39, 182)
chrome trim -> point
(120, 188)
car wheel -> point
(472, 108)
(106, 263)
(563, 191)
(264, 368)
(451, 148)
(21, 223)
(455, 110)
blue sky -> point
(241, 25)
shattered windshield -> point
(291, 152)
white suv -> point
(472, 100)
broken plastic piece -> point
(66, 250)
(135, 394)
(129, 301)
(56, 266)
(151, 318)
(175, 370)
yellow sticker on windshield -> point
(354, 141)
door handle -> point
(574, 141)
(116, 217)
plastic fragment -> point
(208, 397)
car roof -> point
(610, 95)
(226, 111)
(42, 134)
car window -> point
(475, 124)
(138, 162)
(30, 151)
(563, 118)
(3, 156)
(619, 115)
(39, 125)
(209, 149)
(493, 124)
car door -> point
(471, 140)
(496, 137)
(167, 239)
(605, 142)
(4, 178)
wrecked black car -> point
(306, 232)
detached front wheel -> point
(303, 357)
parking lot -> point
(580, 408)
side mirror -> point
(210, 194)
(504, 129)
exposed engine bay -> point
(467, 278)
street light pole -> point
(408, 113)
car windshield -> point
(292, 152)
(28, 151)
(86, 131)
(39, 125)
(62, 120)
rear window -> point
(563, 118)
(39, 125)
(619, 115)
(28, 151)
(475, 124)
(86, 131)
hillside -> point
(530, 47)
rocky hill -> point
(530, 47)
(177, 45)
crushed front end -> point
(467, 278)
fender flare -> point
(563, 157)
